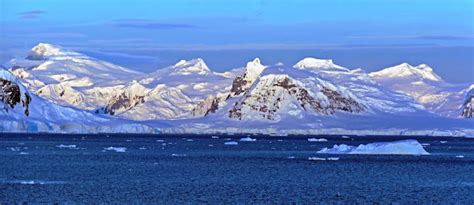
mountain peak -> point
(405, 70)
(44, 50)
(254, 69)
(314, 63)
(194, 66)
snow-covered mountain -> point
(425, 86)
(69, 78)
(55, 89)
(23, 111)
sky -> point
(147, 35)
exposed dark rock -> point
(468, 107)
(206, 107)
(10, 95)
(123, 102)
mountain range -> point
(53, 89)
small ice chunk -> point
(142, 148)
(178, 155)
(247, 139)
(443, 142)
(189, 140)
(116, 149)
(460, 156)
(14, 149)
(72, 146)
(231, 143)
(425, 144)
(317, 140)
(345, 137)
(332, 158)
(316, 158)
(214, 137)
(159, 140)
(291, 157)
(402, 147)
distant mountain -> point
(23, 111)
(58, 90)
(425, 86)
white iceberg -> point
(402, 147)
(117, 149)
(247, 139)
(231, 143)
(317, 140)
(72, 146)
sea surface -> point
(176, 169)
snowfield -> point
(403, 147)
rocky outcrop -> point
(122, 103)
(10, 96)
(206, 107)
(468, 106)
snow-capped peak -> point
(314, 63)
(197, 66)
(254, 69)
(44, 50)
(421, 71)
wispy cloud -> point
(444, 37)
(418, 37)
(31, 14)
(150, 24)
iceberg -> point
(231, 143)
(402, 147)
(117, 149)
(317, 140)
(247, 139)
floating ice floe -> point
(116, 149)
(317, 140)
(323, 158)
(247, 139)
(72, 146)
(460, 156)
(402, 147)
(231, 143)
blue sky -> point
(147, 35)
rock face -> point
(468, 106)
(280, 94)
(122, 103)
(207, 106)
(10, 96)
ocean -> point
(177, 169)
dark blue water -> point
(199, 169)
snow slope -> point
(425, 86)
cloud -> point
(444, 37)
(31, 14)
(418, 37)
(150, 24)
